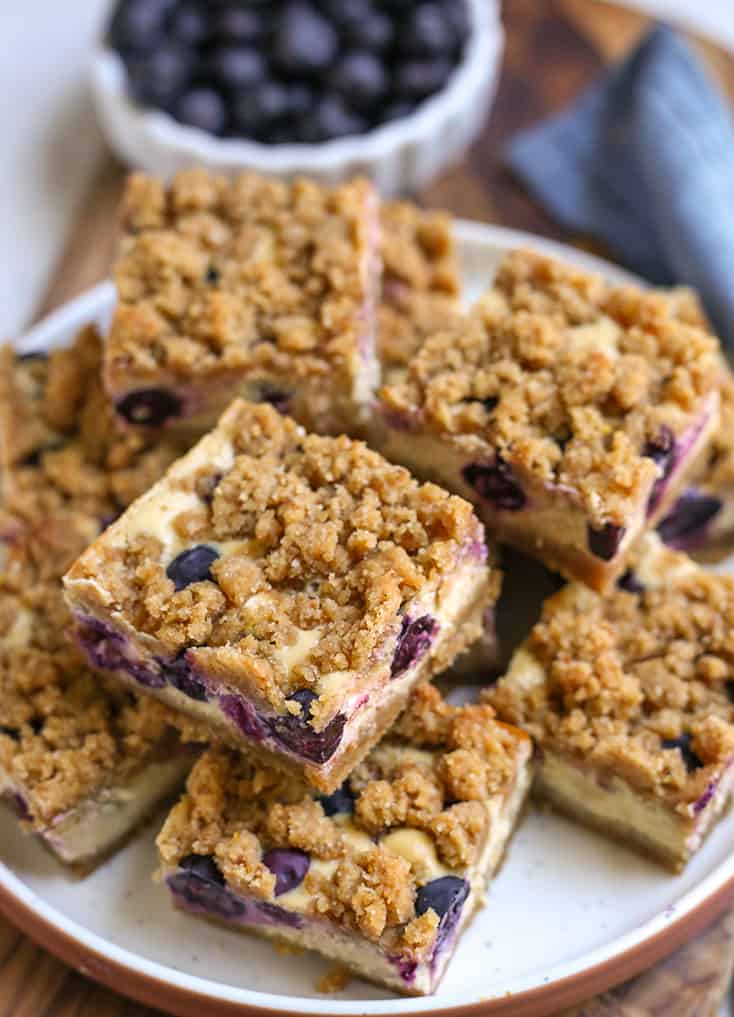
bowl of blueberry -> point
(394, 89)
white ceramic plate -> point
(569, 915)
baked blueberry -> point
(305, 42)
(204, 867)
(297, 734)
(149, 407)
(445, 896)
(340, 802)
(289, 866)
(11, 732)
(686, 525)
(178, 674)
(604, 540)
(192, 566)
(683, 744)
(630, 582)
(203, 108)
(413, 641)
(202, 884)
(495, 483)
(662, 451)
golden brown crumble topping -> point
(615, 680)
(316, 535)
(420, 280)
(566, 378)
(717, 468)
(236, 810)
(220, 274)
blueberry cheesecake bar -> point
(570, 412)
(382, 875)
(251, 287)
(286, 588)
(628, 697)
(420, 282)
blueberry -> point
(149, 407)
(138, 24)
(414, 639)
(305, 42)
(254, 108)
(630, 582)
(662, 451)
(604, 541)
(457, 17)
(243, 715)
(188, 23)
(397, 110)
(331, 118)
(343, 13)
(729, 689)
(203, 108)
(36, 355)
(683, 744)
(204, 867)
(178, 673)
(297, 734)
(300, 99)
(212, 276)
(235, 67)
(279, 915)
(192, 566)
(281, 401)
(496, 484)
(202, 885)
(10, 732)
(289, 866)
(426, 32)
(360, 77)
(21, 806)
(238, 24)
(105, 649)
(446, 897)
(339, 802)
(417, 79)
(157, 79)
(686, 524)
(375, 32)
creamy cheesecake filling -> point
(97, 824)
(198, 887)
(183, 682)
(606, 800)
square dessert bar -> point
(82, 761)
(251, 287)
(383, 874)
(285, 588)
(702, 519)
(420, 282)
(629, 699)
(570, 412)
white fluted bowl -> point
(400, 157)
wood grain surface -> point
(554, 49)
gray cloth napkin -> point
(645, 161)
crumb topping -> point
(640, 684)
(420, 280)
(219, 274)
(234, 807)
(717, 469)
(566, 379)
(321, 545)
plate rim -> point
(159, 985)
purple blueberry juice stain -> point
(199, 891)
(687, 524)
(297, 734)
(630, 582)
(20, 806)
(496, 484)
(604, 541)
(706, 797)
(244, 716)
(277, 398)
(289, 866)
(274, 915)
(664, 453)
(179, 674)
(192, 566)
(414, 640)
(107, 650)
(149, 407)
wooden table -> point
(554, 49)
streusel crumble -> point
(570, 411)
(251, 287)
(384, 873)
(286, 588)
(629, 699)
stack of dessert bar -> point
(277, 491)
